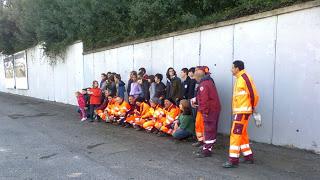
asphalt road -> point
(46, 140)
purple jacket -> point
(135, 89)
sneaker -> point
(83, 119)
(228, 164)
(127, 125)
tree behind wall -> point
(98, 23)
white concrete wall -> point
(51, 82)
(281, 52)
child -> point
(82, 105)
(145, 87)
(152, 88)
(95, 98)
(135, 89)
(184, 127)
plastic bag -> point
(257, 119)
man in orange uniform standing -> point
(172, 112)
(245, 99)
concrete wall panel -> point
(162, 56)
(186, 51)
(297, 87)
(216, 53)
(254, 43)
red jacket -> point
(81, 101)
(207, 96)
(95, 98)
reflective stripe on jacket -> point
(245, 95)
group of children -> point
(152, 106)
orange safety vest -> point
(122, 108)
(109, 108)
(245, 96)
(157, 112)
(172, 113)
(144, 110)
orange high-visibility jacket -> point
(109, 108)
(172, 113)
(157, 112)
(245, 95)
(149, 114)
(144, 110)
(122, 108)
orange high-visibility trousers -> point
(139, 122)
(199, 126)
(149, 125)
(101, 114)
(239, 139)
(131, 119)
(159, 123)
(166, 130)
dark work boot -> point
(247, 161)
(228, 164)
(202, 154)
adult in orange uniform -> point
(141, 109)
(121, 108)
(157, 114)
(133, 107)
(108, 112)
(172, 112)
(143, 114)
(99, 111)
(245, 99)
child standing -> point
(95, 98)
(82, 105)
(152, 88)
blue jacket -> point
(121, 89)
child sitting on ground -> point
(184, 126)
(82, 105)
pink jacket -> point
(81, 101)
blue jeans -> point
(181, 134)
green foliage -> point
(98, 23)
